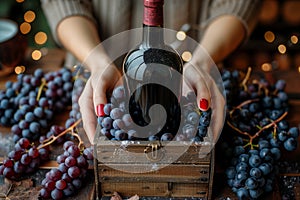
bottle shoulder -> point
(163, 54)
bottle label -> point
(153, 12)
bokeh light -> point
(29, 16)
(20, 1)
(294, 39)
(25, 27)
(36, 55)
(40, 37)
(269, 36)
(20, 69)
(186, 56)
(282, 48)
(266, 67)
(181, 35)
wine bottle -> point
(153, 75)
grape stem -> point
(41, 89)
(5, 195)
(53, 138)
(245, 80)
(241, 105)
(257, 134)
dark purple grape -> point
(70, 161)
(290, 144)
(116, 113)
(81, 162)
(88, 153)
(61, 184)
(74, 151)
(69, 190)
(119, 93)
(74, 172)
(44, 193)
(77, 183)
(107, 108)
(56, 194)
(167, 137)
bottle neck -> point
(153, 22)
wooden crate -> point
(191, 175)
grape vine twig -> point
(53, 138)
(257, 134)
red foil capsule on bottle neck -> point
(153, 12)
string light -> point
(40, 37)
(29, 16)
(36, 55)
(282, 48)
(269, 36)
(25, 28)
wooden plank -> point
(189, 190)
(129, 189)
(158, 189)
(114, 152)
(171, 173)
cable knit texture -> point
(114, 16)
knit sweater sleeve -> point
(57, 10)
(245, 10)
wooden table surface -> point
(54, 59)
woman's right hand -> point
(102, 81)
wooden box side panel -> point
(157, 189)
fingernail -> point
(100, 110)
(203, 104)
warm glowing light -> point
(294, 39)
(269, 36)
(36, 55)
(299, 69)
(180, 35)
(282, 48)
(266, 67)
(40, 38)
(29, 16)
(20, 1)
(20, 69)
(186, 56)
(25, 28)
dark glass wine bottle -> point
(153, 75)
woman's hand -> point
(101, 82)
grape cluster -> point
(66, 179)
(255, 134)
(195, 122)
(24, 159)
(118, 123)
(28, 105)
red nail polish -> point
(203, 104)
(100, 110)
